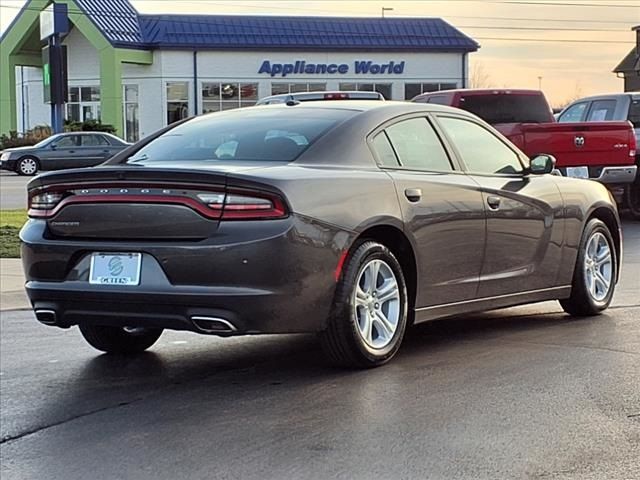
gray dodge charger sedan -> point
(352, 219)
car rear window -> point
(507, 108)
(243, 135)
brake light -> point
(45, 201)
(633, 144)
(249, 206)
(336, 96)
(216, 205)
(245, 205)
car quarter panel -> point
(582, 200)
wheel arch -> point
(396, 240)
(606, 215)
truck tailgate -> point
(580, 144)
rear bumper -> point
(616, 175)
(276, 278)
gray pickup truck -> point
(615, 107)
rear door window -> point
(575, 113)
(94, 141)
(418, 146)
(601, 110)
(384, 150)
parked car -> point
(64, 150)
(349, 219)
(615, 107)
(602, 151)
(315, 96)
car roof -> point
(313, 96)
(362, 105)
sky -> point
(569, 47)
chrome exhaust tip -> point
(48, 317)
(213, 325)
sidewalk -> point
(12, 294)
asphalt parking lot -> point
(13, 190)
(521, 393)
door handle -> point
(72, 151)
(493, 202)
(413, 194)
(105, 151)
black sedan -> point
(61, 151)
(349, 219)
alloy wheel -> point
(377, 304)
(598, 266)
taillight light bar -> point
(233, 205)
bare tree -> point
(478, 76)
(577, 94)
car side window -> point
(575, 113)
(601, 110)
(384, 150)
(94, 141)
(481, 150)
(67, 142)
(418, 146)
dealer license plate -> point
(115, 268)
(578, 172)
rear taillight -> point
(633, 144)
(250, 206)
(232, 205)
(336, 96)
(45, 201)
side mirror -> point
(53, 146)
(542, 164)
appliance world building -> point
(142, 72)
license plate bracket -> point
(578, 172)
(121, 269)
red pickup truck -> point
(603, 151)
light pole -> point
(386, 9)
(539, 83)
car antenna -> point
(291, 101)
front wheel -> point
(595, 273)
(27, 166)
(369, 314)
(120, 339)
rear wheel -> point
(369, 314)
(120, 339)
(595, 272)
(27, 166)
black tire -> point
(632, 198)
(582, 302)
(118, 340)
(27, 166)
(342, 341)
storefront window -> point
(177, 101)
(413, 89)
(84, 104)
(218, 96)
(278, 88)
(131, 113)
(383, 88)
